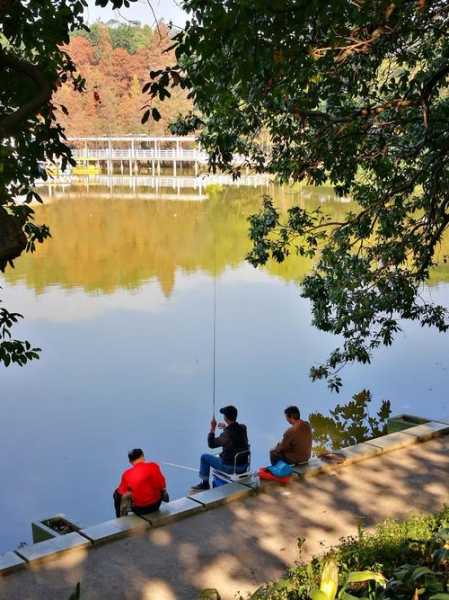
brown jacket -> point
(296, 444)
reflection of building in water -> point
(135, 154)
(144, 187)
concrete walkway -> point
(237, 547)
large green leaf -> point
(329, 579)
(361, 576)
(420, 572)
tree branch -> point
(436, 78)
(11, 123)
(366, 111)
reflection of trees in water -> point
(349, 424)
(106, 244)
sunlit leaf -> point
(329, 579)
(361, 576)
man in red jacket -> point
(143, 484)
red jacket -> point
(145, 482)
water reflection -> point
(102, 242)
(146, 187)
(349, 423)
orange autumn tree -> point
(115, 68)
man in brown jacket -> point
(296, 444)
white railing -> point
(157, 154)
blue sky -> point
(164, 9)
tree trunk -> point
(12, 238)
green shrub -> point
(412, 556)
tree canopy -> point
(129, 36)
(348, 92)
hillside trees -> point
(349, 92)
(115, 67)
(123, 35)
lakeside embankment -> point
(238, 546)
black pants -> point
(138, 510)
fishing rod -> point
(214, 343)
(214, 328)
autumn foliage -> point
(115, 62)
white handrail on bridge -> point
(140, 154)
(134, 138)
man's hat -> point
(229, 411)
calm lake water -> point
(121, 302)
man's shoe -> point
(204, 485)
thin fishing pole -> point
(214, 343)
(214, 335)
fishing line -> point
(169, 464)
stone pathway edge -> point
(188, 506)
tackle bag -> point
(281, 469)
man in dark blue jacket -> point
(233, 440)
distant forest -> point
(115, 60)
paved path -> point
(239, 546)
